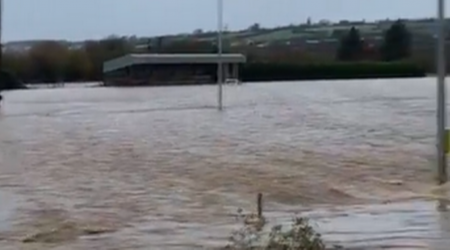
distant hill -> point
(261, 36)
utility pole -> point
(1, 35)
(219, 54)
(441, 96)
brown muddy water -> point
(161, 168)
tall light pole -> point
(1, 35)
(441, 102)
(219, 54)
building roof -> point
(135, 59)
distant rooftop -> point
(135, 59)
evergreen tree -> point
(150, 46)
(159, 44)
(397, 43)
(351, 46)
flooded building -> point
(169, 69)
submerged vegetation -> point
(299, 235)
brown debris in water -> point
(62, 233)
(56, 227)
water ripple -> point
(125, 155)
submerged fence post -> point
(260, 205)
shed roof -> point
(135, 59)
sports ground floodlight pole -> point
(441, 95)
(219, 54)
(1, 35)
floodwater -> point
(161, 168)
(8, 206)
(403, 225)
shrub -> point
(298, 236)
(288, 71)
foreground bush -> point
(298, 236)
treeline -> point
(52, 61)
(396, 45)
(355, 58)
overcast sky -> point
(86, 19)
